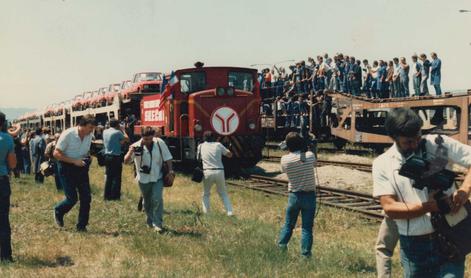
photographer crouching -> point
(416, 190)
(149, 155)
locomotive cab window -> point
(439, 119)
(241, 81)
(192, 82)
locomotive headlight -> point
(252, 126)
(220, 91)
(198, 128)
(230, 91)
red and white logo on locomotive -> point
(225, 120)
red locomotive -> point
(225, 100)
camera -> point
(429, 173)
(87, 160)
(283, 146)
(138, 150)
(145, 169)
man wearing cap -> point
(7, 161)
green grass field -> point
(119, 244)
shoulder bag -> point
(198, 173)
(167, 182)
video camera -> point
(138, 150)
(429, 173)
(428, 170)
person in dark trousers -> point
(425, 74)
(7, 161)
(113, 139)
(37, 146)
(435, 74)
(19, 156)
(304, 117)
(72, 153)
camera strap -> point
(150, 153)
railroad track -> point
(361, 152)
(361, 203)
(321, 162)
(357, 166)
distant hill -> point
(13, 113)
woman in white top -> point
(211, 152)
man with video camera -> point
(149, 155)
(72, 154)
(415, 189)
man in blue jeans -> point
(416, 74)
(299, 167)
(7, 161)
(72, 153)
(411, 207)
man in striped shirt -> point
(299, 167)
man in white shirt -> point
(149, 155)
(72, 153)
(410, 207)
(210, 153)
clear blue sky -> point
(51, 50)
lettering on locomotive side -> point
(153, 115)
(151, 104)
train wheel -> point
(339, 143)
(378, 149)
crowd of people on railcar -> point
(381, 78)
(290, 94)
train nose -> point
(225, 121)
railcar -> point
(361, 121)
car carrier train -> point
(181, 106)
(228, 101)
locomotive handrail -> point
(180, 134)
